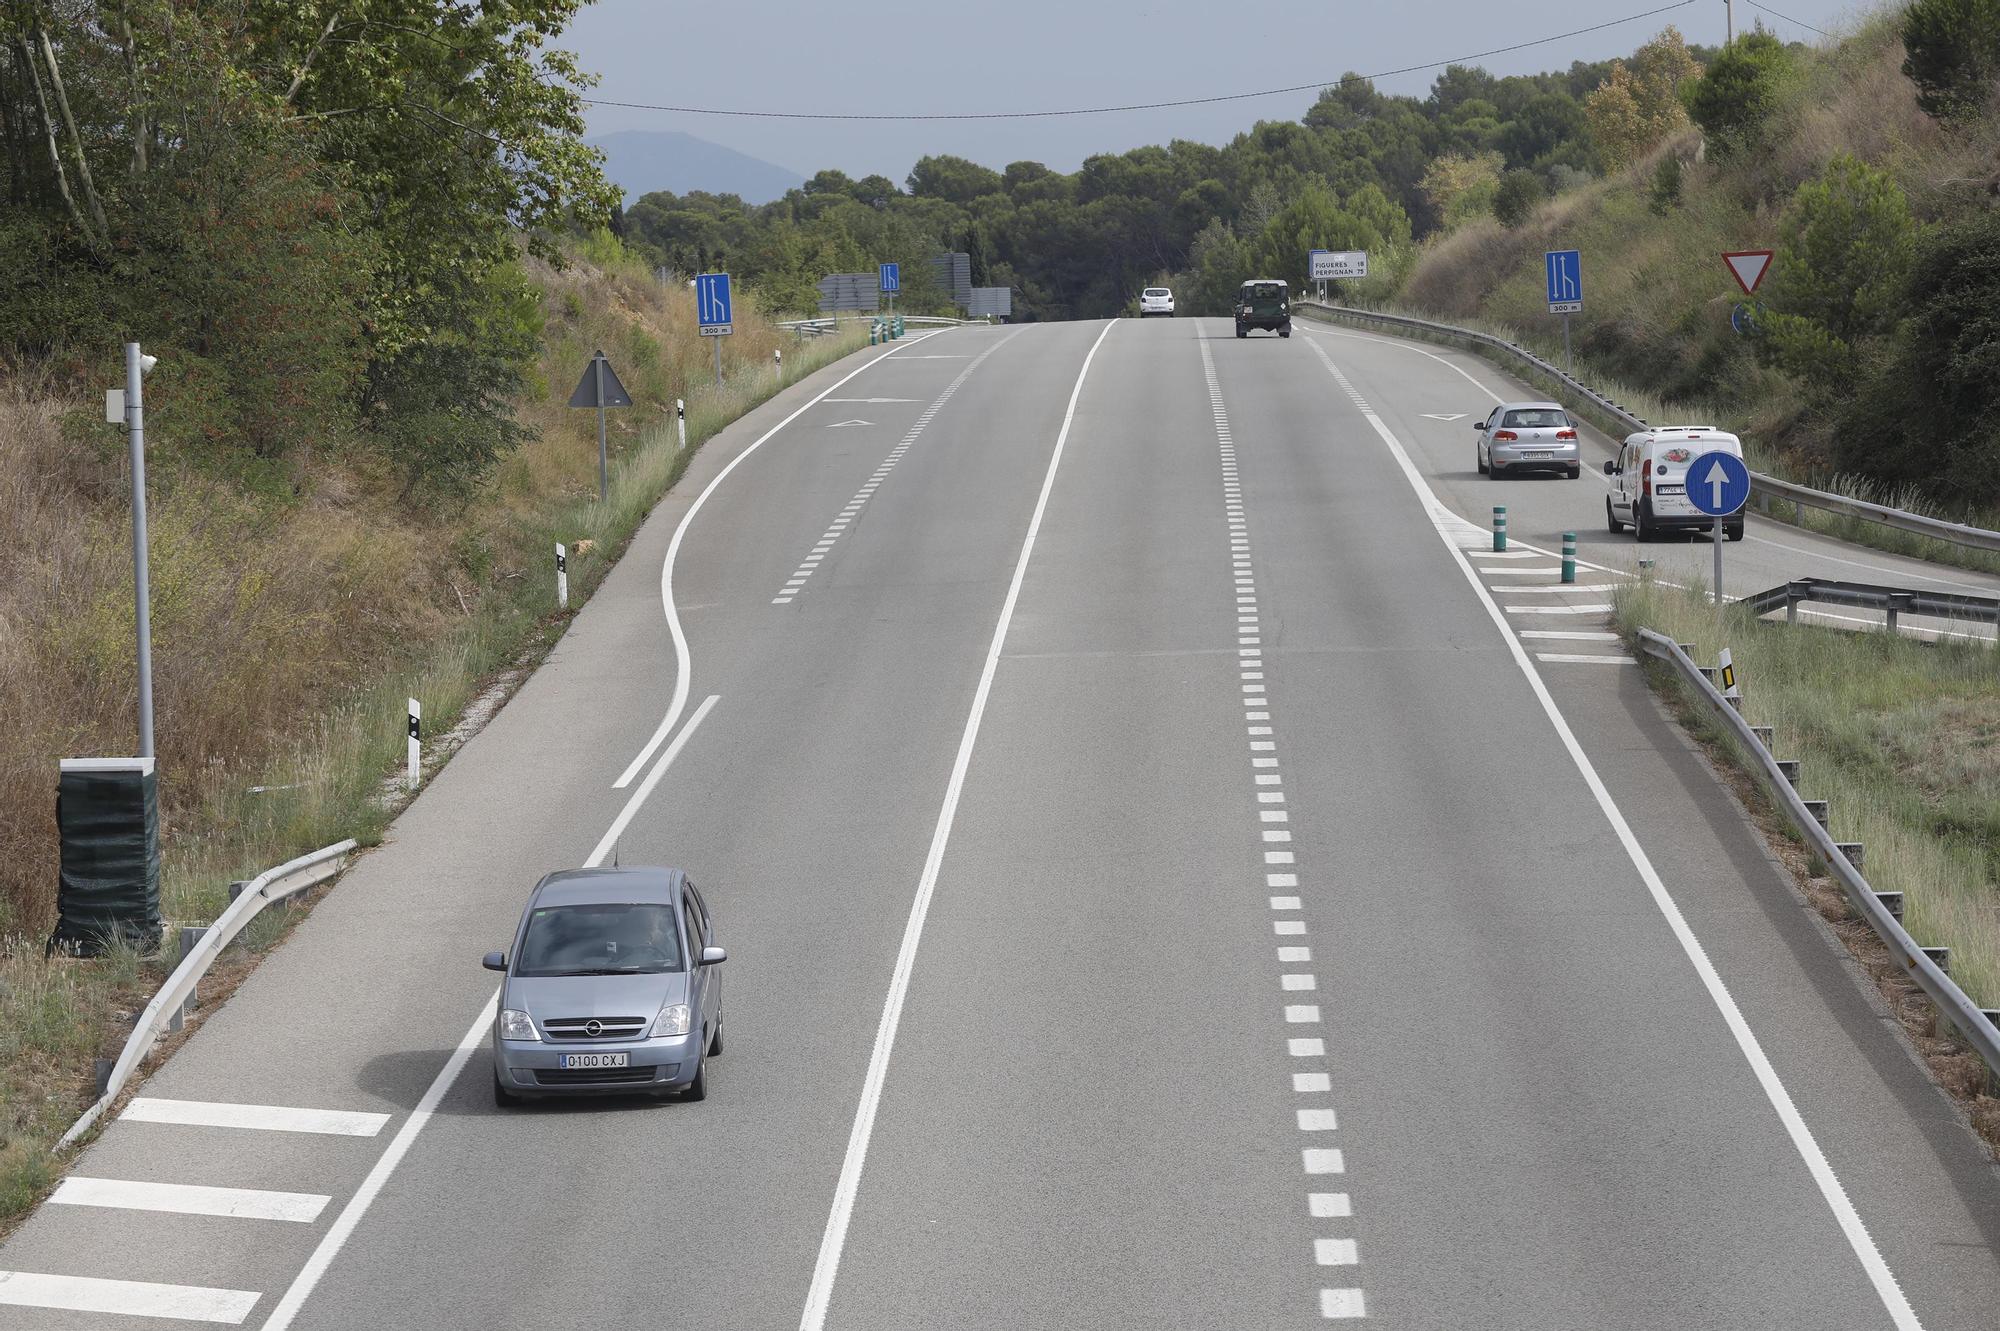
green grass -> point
(1901, 737)
(57, 1015)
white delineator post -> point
(1725, 675)
(416, 743)
(681, 421)
(778, 358)
(562, 577)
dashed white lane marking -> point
(807, 567)
(1580, 658)
(129, 1298)
(186, 1199)
(1267, 788)
(1336, 1304)
(1831, 1190)
(261, 1118)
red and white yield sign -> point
(1748, 267)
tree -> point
(1518, 195)
(953, 179)
(1735, 96)
(1318, 220)
(1461, 187)
(1639, 104)
(1953, 55)
(1844, 251)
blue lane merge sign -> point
(892, 278)
(1565, 274)
(1718, 483)
(712, 303)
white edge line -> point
(357, 1206)
(827, 1267)
(682, 657)
(1835, 1195)
(609, 841)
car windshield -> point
(1538, 418)
(613, 938)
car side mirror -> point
(713, 955)
(495, 961)
(1479, 425)
(1610, 469)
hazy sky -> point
(1021, 55)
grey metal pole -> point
(1569, 361)
(135, 438)
(1718, 581)
(718, 360)
(1729, 24)
(597, 368)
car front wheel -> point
(502, 1097)
(698, 1088)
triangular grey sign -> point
(586, 387)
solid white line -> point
(826, 1268)
(262, 1118)
(188, 1199)
(1802, 1139)
(131, 1298)
(357, 1206)
(683, 659)
(624, 818)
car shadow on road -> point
(403, 1076)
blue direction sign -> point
(1565, 273)
(712, 303)
(1718, 483)
(892, 278)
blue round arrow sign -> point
(1718, 483)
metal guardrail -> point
(1892, 601)
(1975, 1026)
(829, 324)
(271, 886)
(1762, 488)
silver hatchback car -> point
(1527, 436)
(613, 987)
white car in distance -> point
(1156, 300)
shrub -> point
(1844, 253)
(1733, 100)
(1666, 191)
(1519, 194)
(1953, 50)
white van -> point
(1649, 481)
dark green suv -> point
(1264, 302)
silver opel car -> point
(614, 986)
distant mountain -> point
(642, 161)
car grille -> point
(594, 1076)
(608, 1028)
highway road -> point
(1172, 877)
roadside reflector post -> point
(1499, 526)
(562, 577)
(1725, 668)
(190, 935)
(416, 766)
(1569, 556)
(778, 358)
(681, 422)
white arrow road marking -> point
(1444, 416)
(841, 425)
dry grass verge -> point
(1902, 738)
(287, 635)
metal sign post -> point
(136, 366)
(1564, 271)
(714, 308)
(600, 388)
(1718, 484)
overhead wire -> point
(1136, 106)
(1787, 18)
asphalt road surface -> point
(1173, 876)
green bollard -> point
(1499, 526)
(1569, 556)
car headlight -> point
(516, 1025)
(673, 1020)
